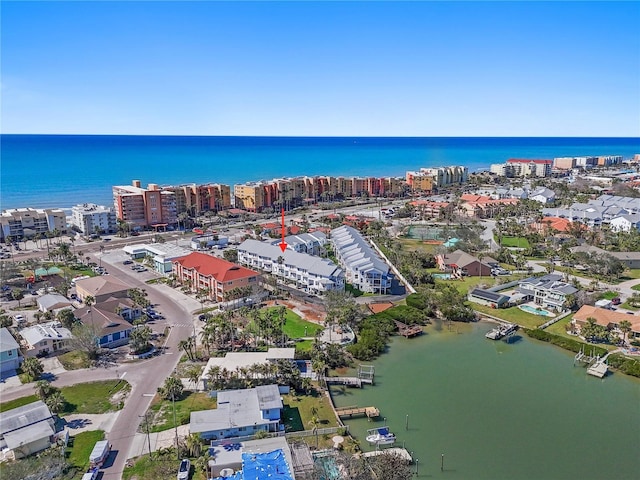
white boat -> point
(380, 436)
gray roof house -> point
(240, 413)
(487, 297)
(47, 338)
(311, 274)
(547, 291)
(27, 429)
(311, 243)
(53, 302)
(364, 267)
(9, 352)
(543, 195)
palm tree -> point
(55, 402)
(314, 422)
(32, 367)
(193, 374)
(89, 300)
(625, 328)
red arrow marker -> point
(283, 244)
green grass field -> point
(295, 326)
(518, 242)
(83, 443)
(74, 360)
(297, 411)
(18, 402)
(636, 287)
(191, 402)
(92, 397)
(513, 315)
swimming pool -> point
(442, 276)
(535, 311)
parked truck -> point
(99, 453)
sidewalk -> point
(164, 439)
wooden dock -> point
(408, 331)
(370, 412)
(348, 381)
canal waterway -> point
(500, 411)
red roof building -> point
(218, 277)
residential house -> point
(233, 361)
(488, 298)
(543, 195)
(54, 302)
(461, 263)
(552, 225)
(628, 259)
(40, 340)
(548, 291)
(364, 268)
(9, 352)
(102, 288)
(240, 413)
(314, 275)
(607, 318)
(27, 429)
(218, 277)
(625, 223)
(266, 458)
(110, 329)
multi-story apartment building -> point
(91, 218)
(440, 176)
(26, 222)
(522, 167)
(363, 267)
(145, 207)
(218, 277)
(196, 199)
(419, 182)
(250, 196)
(311, 243)
(309, 273)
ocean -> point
(59, 171)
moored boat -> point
(380, 436)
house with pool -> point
(240, 413)
(548, 291)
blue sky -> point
(321, 68)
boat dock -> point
(408, 331)
(599, 368)
(348, 381)
(370, 412)
(401, 452)
(502, 331)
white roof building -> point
(46, 338)
(311, 243)
(364, 268)
(234, 360)
(89, 217)
(312, 274)
(163, 254)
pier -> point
(348, 381)
(502, 331)
(370, 412)
(401, 452)
(408, 331)
(599, 368)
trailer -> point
(99, 453)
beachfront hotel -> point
(19, 223)
(144, 207)
(90, 218)
(439, 177)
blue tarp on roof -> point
(263, 466)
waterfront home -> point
(44, 339)
(234, 361)
(101, 288)
(9, 352)
(548, 291)
(26, 430)
(312, 274)
(203, 272)
(488, 298)
(110, 329)
(265, 458)
(461, 263)
(240, 413)
(53, 302)
(609, 319)
(364, 268)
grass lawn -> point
(304, 346)
(83, 443)
(518, 242)
(191, 402)
(559, 328)
(296, 414)
(92, 397)
(636, 287)
(468, 283)
(609, 295)
(295, 326)
(415, 244)
(628, 307)
(74, 360)
(513, 315)
(631, 273)
(18, 402)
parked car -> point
(127, 262)
(183, 471)
(616, 301)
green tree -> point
(625, 327)
(32, 367)
(55, 402)
(193, 373)
(66, 318)
(139, 339)
(16, 294)
(172, 388)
